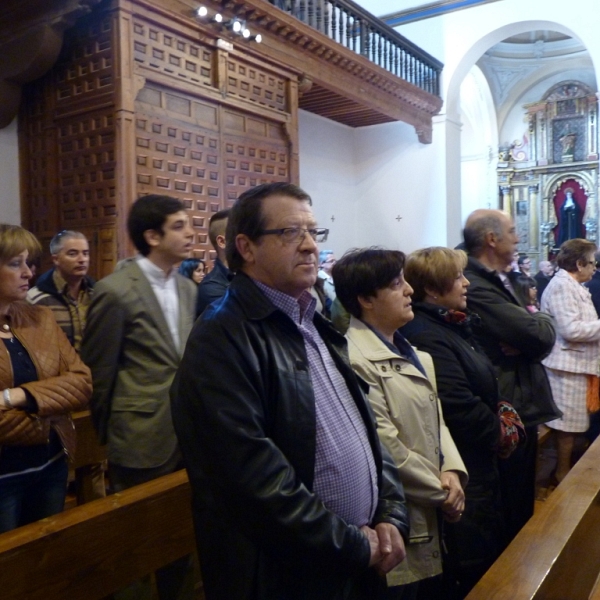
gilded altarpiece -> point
(557, 159)
(143, 100)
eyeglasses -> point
(290, 235)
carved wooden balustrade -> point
(350, 25)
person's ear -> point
(246, 247)
(152, 237)
(491, 239)
(220, 239)
(366, 302)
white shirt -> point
(165, 289)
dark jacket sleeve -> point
(219, 401)
(210, 290)
(531, 334)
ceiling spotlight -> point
(256, 38)
(237, 26)
(246, 33)
(202, 11)
(218, 18)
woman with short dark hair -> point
(371, 287)
(572, 366)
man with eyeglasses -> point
(293, 496)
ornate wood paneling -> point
(161, 50)
(137, 104)
(86, 169)
(256, 85)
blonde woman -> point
(480, 424)
(42, 379)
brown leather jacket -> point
(64, 384)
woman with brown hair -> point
(42, 379)
(483, 427)
(572, 366)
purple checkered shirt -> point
(345, 474)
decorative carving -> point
(304, 85)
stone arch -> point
(452, 102)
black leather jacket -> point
(244, 412)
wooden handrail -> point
(93, 550)
(349, 24)
(556, 556)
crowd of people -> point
(390, 456)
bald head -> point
(490, 237)
(546, 267)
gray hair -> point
(476, 230)
(57, 242)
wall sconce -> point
(235, 25)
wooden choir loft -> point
(118, 98)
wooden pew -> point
(89, 454)
(556, 556)
(93, 550)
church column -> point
(534, 228)
(506, 199)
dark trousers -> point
(29, 497)
(517, 484)
(173, 581)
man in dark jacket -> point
(293, 496)
(515, 341)
(543, 277)
(215, 284)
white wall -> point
(365, 178)
(328, 174)
(479, 143)
(10, 208)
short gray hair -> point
(57, 242)
(475, 232)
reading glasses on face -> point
(290, 235)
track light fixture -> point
(235, 25)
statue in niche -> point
(568, 147)
(569, 219)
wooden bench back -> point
(93, 550)
(556, 556)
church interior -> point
(398, 117)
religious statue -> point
(568, 147)
(569, 219)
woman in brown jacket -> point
(42, 379)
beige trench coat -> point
(411, 425)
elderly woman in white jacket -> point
(572, 366)
(370, 285)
